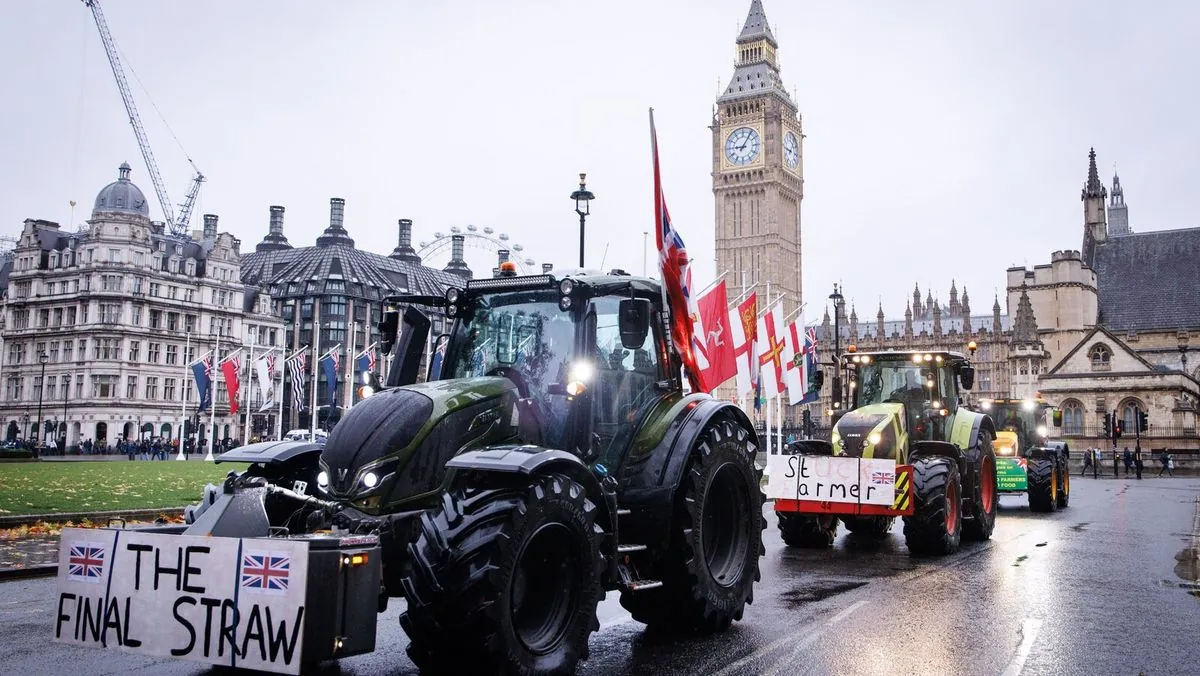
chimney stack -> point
(404, 250)
(405, 232)
(275, 238)
(503, 255)
(210, 226)
(337, 209)
(335, 234)
(457, 264)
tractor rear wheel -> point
(810, 531)
(935, 527)
(1043, 485)
(505, 579)
(1064, 484)
(986, 498)
(874, 527)
(710, 566)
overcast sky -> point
(944, 139)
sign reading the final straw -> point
(229, 601)
(826, 478)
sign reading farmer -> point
(825, 478)
(228, 601)
(1011, 474)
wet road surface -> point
(1093, 589)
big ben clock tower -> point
(758, 172)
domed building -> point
(100, 324)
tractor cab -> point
(1021, 424)
(584, 353)
(923, 384)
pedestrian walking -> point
(1168, 463)
(1087, 462)
(1137, 459)
(1128, 458)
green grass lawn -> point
(49, 487)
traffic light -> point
(1116, 428)
(806, 418)
(1108, 426)
(1143, 421)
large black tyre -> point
(505, 579)
(810, 531)
(1043, 485)
(986, 498)
(874, 527)
(935, 527)
(711, 563)
(1064, 484)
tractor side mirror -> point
(634, 322)
(966, 376)
(389, 328)
(1056, 418)
(411, 333)
(818, 379)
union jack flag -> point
(271, 365)
(208, 364)
(676, 272)
(883, 478)
(266, 572)
(85, 562)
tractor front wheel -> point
(935, 527)
(987, 498)
(1064, 484)
(710, 566)
(1043, 485)
(810, 531)
(505, 579)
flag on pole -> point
(718, 338)
(800, 367)
(201, 371)
(773, 352)
(262, 368)
(295, 366)
(330, 364)
(231, 368)
(676, 271)
(365, 361)
(743, 328)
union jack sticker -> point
(85, 561)
(882, 478)
(266, 572)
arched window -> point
(1072, 412)
(1101, 357)
(1128, 411)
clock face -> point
(742, 146)
(791, 150)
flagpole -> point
(212, 406)
(183, 412)
(312, 415)
(248, 398)
(283, 367)
(712, 284)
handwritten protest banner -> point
(227, 601)
(825, 478)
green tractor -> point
(550, 456)
(1026, 461)
(906, 447)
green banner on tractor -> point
(1011, 474)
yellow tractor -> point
(1026, 461)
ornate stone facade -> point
(119, 308)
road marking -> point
(735, 667)
(786, 664)
(1029, 632)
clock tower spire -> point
(758, 169)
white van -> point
(304, 435)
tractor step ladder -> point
(629, 549)
(642, 585)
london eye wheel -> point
(481, 249)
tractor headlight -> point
(566, 287)
(370, 480)
(1042, 431)
(1004, 450)
(875, 438)
(323, 479)
(579, 376)
(452, 295)
(1027, 405)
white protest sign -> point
(228, 601)
(826, 478)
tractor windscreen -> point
(1027, 419)
(897, 380)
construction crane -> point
(178, 227)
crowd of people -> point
(1131, 459)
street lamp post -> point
(838, 301)
(42, 358)
(583, 200)
(66, 387)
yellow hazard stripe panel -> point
(903, 494)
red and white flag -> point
(232, 370)
(774, 353)
(743, 329)
(796, 371)
(718, 339)
(676, 269)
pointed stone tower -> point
(966, 314)
(915, 308)
(853, 324)
(1095, 228)
(937, 319)
(955, 308)
(1118, 213)
(997, 327)
(1027, 355)
(908, 320)
(880, 329)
